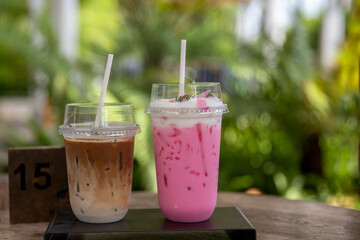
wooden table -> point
(273, 217)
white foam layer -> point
(166, 120)
(168, 112)
(191, 103)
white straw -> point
(182, 67)
(103, 90)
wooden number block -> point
(37, 183)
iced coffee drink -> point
(186, 134)
(99, 162)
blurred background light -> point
(289, 72)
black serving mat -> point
(225, 223)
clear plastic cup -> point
(186, 133)
(99, 160)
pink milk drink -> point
(186, 133)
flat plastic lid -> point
(117, 129)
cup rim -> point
(188, 83)
(186, 110)
(97, 104)
(128, 129)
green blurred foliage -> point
(13, 47)
(284, 112)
